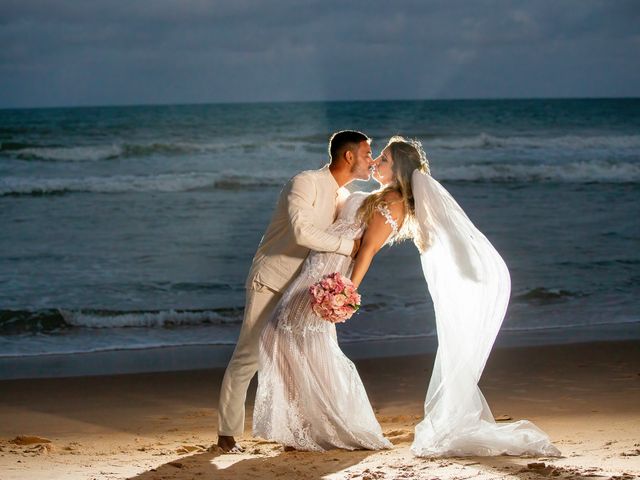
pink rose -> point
(334, 298)
(316, 292)
(328, 283)
(338, 300)
(327, 299)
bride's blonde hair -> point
(407, 156)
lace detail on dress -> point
(309, 393)
(294, 314)
(386, 213)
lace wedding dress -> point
(310, 395)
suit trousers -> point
(260, 304)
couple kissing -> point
(310, 396)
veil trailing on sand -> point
(470, 287)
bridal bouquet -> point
(334, 298)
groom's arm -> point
(300, 208)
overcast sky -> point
(106, 52)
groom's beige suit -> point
(307, 205)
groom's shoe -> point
(227, 443)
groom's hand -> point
(356, 247)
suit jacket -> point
(307, 206)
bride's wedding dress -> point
(310, 395)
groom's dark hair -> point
(345, 140)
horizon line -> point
(264, 102)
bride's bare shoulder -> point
(392, 196)
(394, 202)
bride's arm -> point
(377, 232)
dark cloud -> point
(116, 52)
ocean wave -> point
(13, 146)
(574, 172)
(115, 184)
(571, 142)
(84, 342)
(73, 332)
(51, 320)
(541, 295)
(192, 181)
(69, 154)
(93, 153)
(577, 172)
(238, 182)
(311, 144)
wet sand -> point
(163, 425)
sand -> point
(163, 425)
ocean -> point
(127, 228)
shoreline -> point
(172, 358)
(162, 425)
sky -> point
(114, 52)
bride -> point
(310, 396)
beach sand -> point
(163, 425)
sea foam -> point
(576, 172)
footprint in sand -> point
(540, 468)
(41, 448)
(502, 418)
(191, 449)
(72, 448)
(400, 436)
(632, 453)
(33, 444)
(29, 440)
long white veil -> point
(470, 287)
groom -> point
(307, 206)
